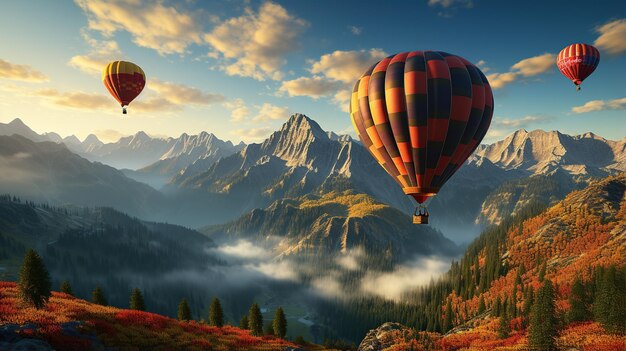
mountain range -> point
(207, 181)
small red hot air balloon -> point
(124, 80)
(577, 62)
(421, 114)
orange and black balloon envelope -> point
(124, 80)
(577, 62)
(421, 114)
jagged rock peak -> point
(91, 139)
(17, 122)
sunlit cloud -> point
(239, 112)
(244, 249)
(109, 135)
(612, 37)
(253, 134)
(75, 100)
(181, 94)
(269, 112)
(314, 87)
(166, 29)
(600, 105)
(525, 68)
(16, 71)
(346, 66)
(101, 53)
(255, 44)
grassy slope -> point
(119, 328)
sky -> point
(240, 68)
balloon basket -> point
(124, 110)
(420, 216)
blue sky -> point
(240, 68)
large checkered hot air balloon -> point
(421, 114)
(577, 62)
(124, 80)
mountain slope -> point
(69, 323)
(333, 224)
(49, 172)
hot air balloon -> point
(577, 62)
(421, 114)
(124, 80)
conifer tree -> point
(498, 307)
(243, 323)
(255, 320)
(513, 303)
(66, 288)
(216, 314)
(184, 312)
(504, 326)
(280, 323)
(481, 304)
(579, 307)
(97, 296)
(528, 304)
(542, 272)
(543, 323)
(136, 300)
(34, 280)
(610, 300)
(447, 322)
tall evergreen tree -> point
(34, 280)
(504, 326)
(280, 323)
(447, 322)
(610, 300)
(529, 300)
(216, 314)
(481, 304)
(543, 323)
(497, 307)
(97, 296)
(578, 300)
(66, 288)
(542, 272)
(255, 320)
(136, 300)
(513, 303)
(184, 312)
(243, 323)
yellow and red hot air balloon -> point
(124, 80)
(421, 114)
(577, 62)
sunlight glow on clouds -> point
(151, 24)
(612, 37)
(269, 112)
(16, 71)
(77, 100)
(600, 105)
(257, 42)
(528, 67)
(181, 94)
(102, 52)
(254, 134)
(314, 87)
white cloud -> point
(519, 122)
(404, 278)
(314, 87)
(600, 105)
(16, 71)
(482, 64)
(355, 30)
(450, 3)
(255, 44)
(166, 29)
(278, 270)
(238, 110)
(612, 37)
(528, 67)
(346, 66)
(109, 135)
(351, 259)
(181, 94)
(76, 100)
(254, 134)
(102, 52)
(244, 249)
(342, 99)
(269, 112)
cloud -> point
(278, 270)
(102, 52)
(346, 66)
(109, 135)
(238, 110)
(404, 278)
(255, 44)
(269, 112)
(482, 64)
(528, 67)
(450, 3)
(244, 249)
(153, 25)
(342, 99)
(154, 104)
(180, 94)
(519, 122)
(600, 105)
(355, 30)
(76, 100)
(254, 134)
(350, 260)
(612, 37)
(16, 71)
(314, 87)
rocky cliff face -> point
(383, 337)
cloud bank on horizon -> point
(239, 71)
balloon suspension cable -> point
(420, 216)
